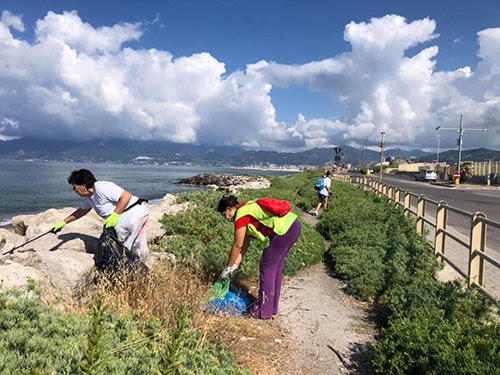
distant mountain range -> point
(151, 152)
(478, 154)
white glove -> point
(228, 272)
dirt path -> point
(328, 332)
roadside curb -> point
(462, 187)
(447, 186)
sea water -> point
(30, 187)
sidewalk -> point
(459, 255)
(464, 186)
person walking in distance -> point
(324, 193)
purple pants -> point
(271, 272)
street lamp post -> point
(461, 132)
(382, 156)
(437, 157)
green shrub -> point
(430, 343)
(433, 327)
(37, 339)
(202, 239)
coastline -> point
(267, 169)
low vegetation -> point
(431, 327)
(154, 324)
(201, 239)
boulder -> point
(20, 223)
(14, 275)
(55, 271)
(80, 235)
(57, 262)
(9, 239)
(156, 211)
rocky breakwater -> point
(228, 182)
(60, 262)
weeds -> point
(92, 358)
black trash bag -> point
(112, 254)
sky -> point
(265, 75)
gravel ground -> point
(327, 331)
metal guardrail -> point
(475, 243)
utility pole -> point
(437, 157)
(364, 152)
(461, 132)
(382, 156)
(460, 142)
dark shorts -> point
(322, 197)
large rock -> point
(14, 275)
(57, 262)
(8, 240)
(80, 235)
(20, 223)
(55, 271)
(156, 211)
(60, 262)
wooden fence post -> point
(441, 222)
(421, 214)
(390, 192)
(397, 197)
(407, 203)
(477, 245)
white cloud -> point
(383, 89)
(68, 29)
(8, 19)
(77, 81)
(457, 40)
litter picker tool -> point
(27, 242)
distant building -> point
(398, 161)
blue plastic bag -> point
(235, 303)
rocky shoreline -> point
(60, 262)
(229, 182)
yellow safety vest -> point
(280, 225)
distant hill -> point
(115, 150)
(397, 153)
(478, 154)
(130, 151)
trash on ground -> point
(234, 302)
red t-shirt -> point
(248, 219)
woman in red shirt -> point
(277, 232)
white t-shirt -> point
(327, 182)
(105, 198)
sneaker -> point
(315, 213)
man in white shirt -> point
(324, 193)
(117, 206)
